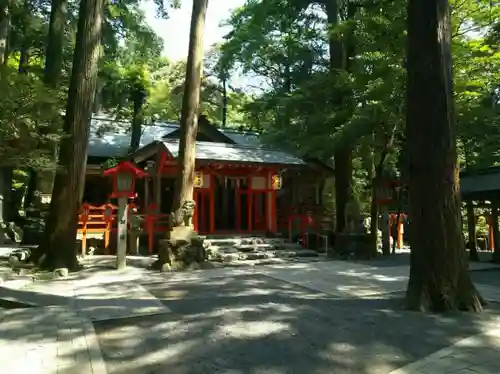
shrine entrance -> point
(251, 207)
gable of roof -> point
(206, 128)
(111, 138)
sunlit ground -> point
(257, 324)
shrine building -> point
(241, 186)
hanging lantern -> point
(198, 180)
(276, 182)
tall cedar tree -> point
(55, 42)
(52, 74)
(4, 29)
(439, 276)
(342, 155)
(190, 106)
(59, 244)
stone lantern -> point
(124, 176)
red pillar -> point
(273, 218)
(211, 227)
(238, 206)
(249, 203)
(195, 214)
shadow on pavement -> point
(257, 324)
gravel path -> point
(255, 324)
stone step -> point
(296, 253)
(289, 246)
(251, 240)
(221, 242)
(251, 247)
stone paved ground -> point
(348, 319)
(48, 340)
(490, 277)
(258, 324)
(478, 354)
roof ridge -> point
(230, 145)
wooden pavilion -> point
(241, 186)
(482, 186)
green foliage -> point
(165, 98)
(30, 120)
(309, 109)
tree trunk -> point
(343, 155)
(6, 172)
(58, 247)
(439, 275)
(137, 121)
(26, 41)
(190, 107)
(4, 30)
(52, 76)
(55, 42)
(471, 227)
(224, 102)
(343, 177)
(372, 172)
(183, 248)
(31, 189)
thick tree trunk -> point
(4, 30)
(439, 275)
(52, 75)
(6, 172)
(58, 247)
(183, 248)
(190, 107)
(343, 177)
(343, 155)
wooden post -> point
(84, 239)
(494, 226)
(384, 227)
(238, 205)
(491, 235)
(272, 221)
(146, 192)
(157, 180)
(121, 248)
(400, 234)
(211, 228)
(496, 233)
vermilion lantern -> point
(124, 177)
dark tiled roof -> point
(237, 153)
(111, 138)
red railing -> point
(101, 220)
(96, 220)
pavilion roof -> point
(111, 138)
(212, 151)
